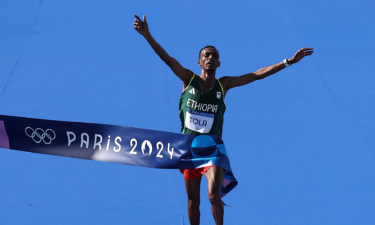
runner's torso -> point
(202, 113)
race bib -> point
(199, 121)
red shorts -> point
(194, 173)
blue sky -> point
(300, 142)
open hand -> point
(300, 54)
(141, 26)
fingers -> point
(306, 51)
(139, 19)
(136, 24)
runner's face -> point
(209, 59)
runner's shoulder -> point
(189, 75)
(225, 80)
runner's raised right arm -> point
(142, 28)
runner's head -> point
(209, 58)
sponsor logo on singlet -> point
(192, 91)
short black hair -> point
(207, 46)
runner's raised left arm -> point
(231, 82)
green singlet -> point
(202, 113)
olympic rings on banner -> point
(38, 135)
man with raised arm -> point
(202, 109)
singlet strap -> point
(222, 89)
(220, 86)
(191, 81)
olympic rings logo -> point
(38, 135)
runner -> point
(202, 109)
